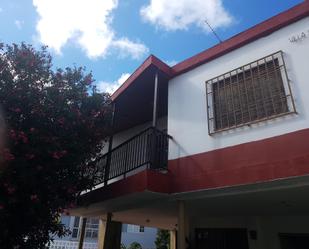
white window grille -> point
(63, 244)
(135, 229)
(91, 231)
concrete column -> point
(101, 235)
(173, 239)
(110, 147)
(113, 235)
(260, 233)
(109, 233)
(82, 233)
(181, 236)
(155, 102)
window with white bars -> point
(75, 230)
(254, 92)
(91, 231)
(65, 244)
(135, 229)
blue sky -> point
(113, 37)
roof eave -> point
(151, 60)
(260, 30)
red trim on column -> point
(269, 159)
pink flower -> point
(61, 121)
(17, 110)
(71, 190)
(7, 155)
(32, 129)
(29, 156)
(88, 80)
(66, 212)
(23, 137)
(77, 111)
(95, 114)
(13, 134)
(39, 167)
(59, 154)
(24, 54)
(31, 63)
(11, 190)
(1, 206)
(71, 205)
(34, 198)
(56, 155)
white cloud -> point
(111, 87)
(19, 24)
(180, 14)
(86, 22)
(129, 48)
(171, 62)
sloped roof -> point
(258, 31)
(150, 61)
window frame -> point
(76, 227)
(131, 228)
(91, 229)
(281, 68)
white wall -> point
(187, 114)
(127, 134)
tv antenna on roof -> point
(213, 31)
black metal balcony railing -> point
(147, 149)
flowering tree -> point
(55, 123)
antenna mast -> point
(213, 31)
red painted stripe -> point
(269, 159)
(259, 161)
(147, 180)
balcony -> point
(146, 150)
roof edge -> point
(150, 60)
(260, 30)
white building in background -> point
(145, 236)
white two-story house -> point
(216, 148)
